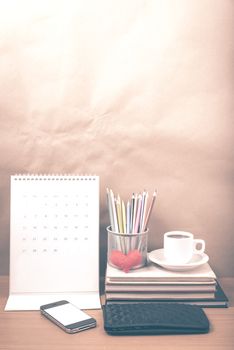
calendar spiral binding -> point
(54, 177)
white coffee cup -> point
(180, 246)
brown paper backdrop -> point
(137, 92)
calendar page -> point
(54, 241)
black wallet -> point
(139, 318)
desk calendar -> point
(54, 241)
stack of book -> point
(153, 283)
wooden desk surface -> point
(30, 331)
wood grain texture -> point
(31, 331)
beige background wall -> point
(137, 92)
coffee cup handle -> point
(195, 243)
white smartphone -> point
(67, 316)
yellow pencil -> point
(123, 216)
(119, 214)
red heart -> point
(125, 262)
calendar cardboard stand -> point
(54, 241)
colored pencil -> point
(149, 211)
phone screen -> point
(67, 314)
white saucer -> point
(157, 257)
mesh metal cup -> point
(127, 251)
